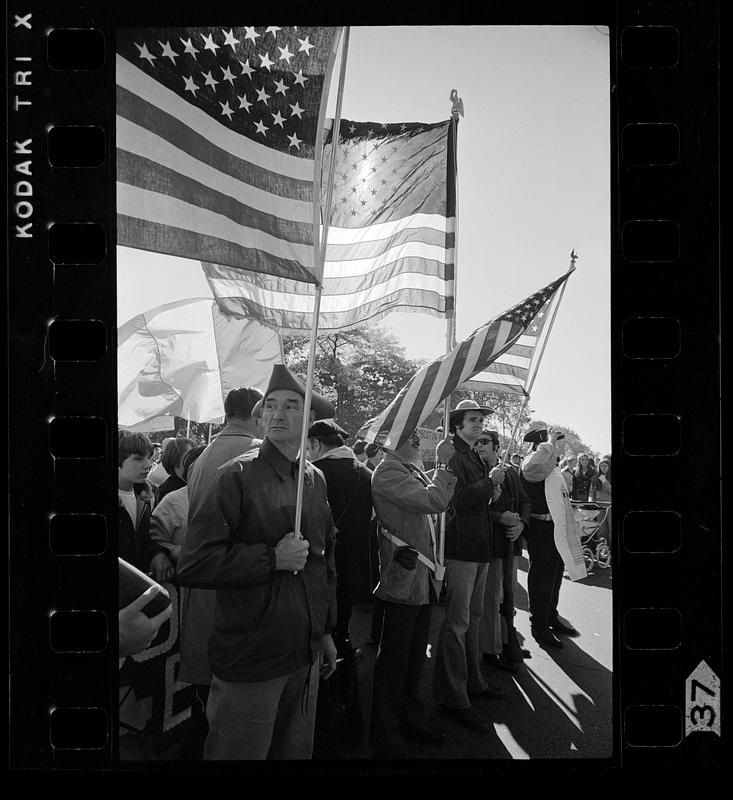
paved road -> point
(558, 706)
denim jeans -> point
(271, 719)
(458, 658)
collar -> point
(462, 445)
(236, 428)
(283, 466)
(344, 451)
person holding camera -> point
(551, 521)
(406, 502)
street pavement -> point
(558, 706)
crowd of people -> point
(270, 566)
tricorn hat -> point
(537, 436)
(283, 378)
(468, 405)
(326, 427)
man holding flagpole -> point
(275, 587)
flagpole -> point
(528, 389)
(326, 216)
(450, 326)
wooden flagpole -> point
(450, 332)
(528, 389)
(326, 215)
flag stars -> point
(281, 87)
(278, 118)
(299, 78)
(209, 79)
(226, 111)
(191, 86)
(168, 52)
(285, 54)
(188, 47)
(294, 141)
(265, 61)
(297, 110)
(262, 96)
(261, 128)
(229, 38)
(363, 202)
(403, 127)
(209, 43)
(273, 29)
(145, 53)
(305, 46)
(353, 212)
(250, 34)
(227, 75)
(244, 103)
(246, 69)
(352, 128)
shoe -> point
(424, 733)
(561, 627)
(469, 718)
(525, 653)
(492, 692)
(546, 638)
(500, 662)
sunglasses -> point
(487, 441)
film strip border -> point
(666, 319)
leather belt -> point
(543, 517)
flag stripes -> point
(436, 380)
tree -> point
(360, 370)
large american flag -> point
(218, 137)
(436, 380)
(391, 237)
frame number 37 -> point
(702, 701)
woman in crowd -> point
(172, 462)
(583, 475)
(601, 492)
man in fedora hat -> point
(550, 510)
(275, 587)
(457, 676)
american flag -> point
(218, 133)
(436, 380)
(391, 237)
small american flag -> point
(391, 237)
(436, 380)
(217, 136)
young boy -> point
(135, 505)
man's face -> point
(410, 450)
(471, 426)
(516, 460)
(487, 450)
(134, 469)
(282, 416)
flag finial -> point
(457, 104)
(573, 258)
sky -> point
(533, 184)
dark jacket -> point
(170, 484)
(513, 497)
(582, 482)
(468, 534)
(134, 544)
(268, 622)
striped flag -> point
(219, 136)
(391, 237)
(514, 370)
(436, 380)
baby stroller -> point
(590, 518)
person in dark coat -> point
(172, 461)
(583, 476)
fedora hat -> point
(283, 378)
(468, 405)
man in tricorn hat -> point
(457, 677)
(275, 587)
(551, 518)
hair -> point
(174, 451)
(329, 439)
(130, 443)
(372, 449)
(600, 463)
(359, 447)
(189, 458)
(240, 401)
(579, 470)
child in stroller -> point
(590, 518)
